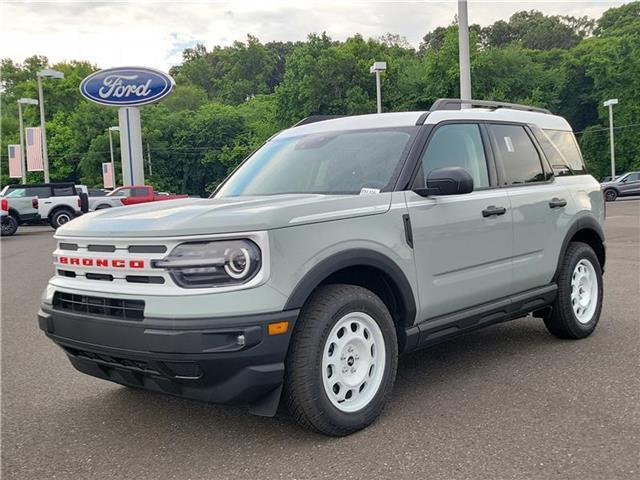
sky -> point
(154, 33)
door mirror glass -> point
(447, 181)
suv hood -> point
(223, 215)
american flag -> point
(34, 150)
(15, 161)
(107, 175)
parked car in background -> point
(21, 196)
(130, 195)
(60, 209)
(9, 223)
(625, 185)
(608, 178)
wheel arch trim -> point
(354, 258)
(585, 223)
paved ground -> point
(507, 402)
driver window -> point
(455, 145)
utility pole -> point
(149, 159)
(113, 165)
(46, 73)
(610, 103)
(465, 62)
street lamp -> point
(46, 73)
(113, 167)
(610, 103)
(376, 68)
(24, 101)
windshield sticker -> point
(509, 144)
(369, 191)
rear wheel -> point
(610, 195)
(577, 307)
(9, 225)
(342, 361)
(60, 217)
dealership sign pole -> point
(128, 88)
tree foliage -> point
(228, 100)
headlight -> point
(212, 264)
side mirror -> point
(447, 181)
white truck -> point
(58, 210)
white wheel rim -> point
(353, 360)
(63, 218)
(584, 291)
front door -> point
(630, 185)
(462, 243)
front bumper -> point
(230, 361)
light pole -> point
(23, 157)
(463, 41)
(610, 103)
(48, 73)
(376, 68)
(113, 167)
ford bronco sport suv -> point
(335, 247)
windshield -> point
(339, 162)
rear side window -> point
(40, 192)
(138, 192)
(63, 191)
(519, 156)
(565, 143)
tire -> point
(610, 195)
(103, 206)
(9, 226)
(576, 310)
(359, 368)
(60, 217)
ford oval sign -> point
(126, 86)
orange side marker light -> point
(277, 328)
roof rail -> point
(456, 104)
(316, 118)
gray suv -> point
(337, 246)
(625, 185)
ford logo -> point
(126, 86)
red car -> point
(130, 195)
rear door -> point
(462, 250)
(539, 202)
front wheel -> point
(60, 217)
(610, 195)
(342, 362)
(9, 225)
(576, 310)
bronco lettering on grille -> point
(101, 262)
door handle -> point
(557, 203)
(492, 210)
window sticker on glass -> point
(509, 144)
(369, 191)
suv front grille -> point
(102, 306)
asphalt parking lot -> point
(507, 402)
